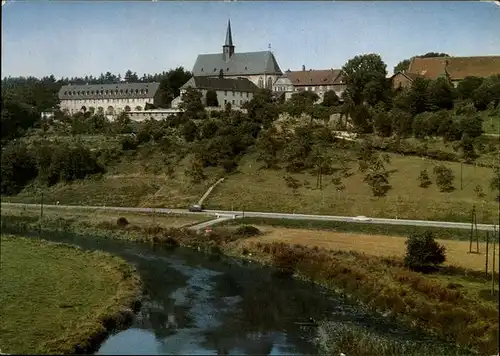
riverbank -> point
(454, 304)
(59, 299)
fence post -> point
(41, 215)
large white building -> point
(110, 99)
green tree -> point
(444, 178)
(467, 86)
(495, 181)
(18, 168)
(301, 102)
(122, 124)
(441, 94)
(195, 171)
(423, 253)
(330, 98)
(268, 146)
(192, 104)
(424, 179)
(190, 130)
(365, 78)
(488, 93)
(262, 109)
(211, 98)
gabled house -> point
(454, 69)
(318, 81)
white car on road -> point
(362, 218)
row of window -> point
(312, 88)
(227, 69)
(132, 100)
(105, 92)
(234, 93)
(233, 102)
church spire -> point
(228, 48)
(229, 36)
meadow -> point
(58, 299)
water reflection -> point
(213, 306)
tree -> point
(365, 78)
(262, 109)
(423, 253)
(16, 118)
(170, 84)
(330, 98)
(418, 98)
(301, 102)
(190, 130)
(292, 183)
(444, 178)
(424, 179)
(402, 66)
(467, 86)
(123, 123)
(195, 171)
(192, 104)
(441, 94)
(268, 145)
(382, 122)
(211, 98)
(18, 168)
(488, 93)
(372, 164)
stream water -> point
(201, 304)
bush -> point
(423, 253)
(444, 178)
(424, 179)
(122, 222)
(247, 231)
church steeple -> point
(228, 48)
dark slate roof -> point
(240, 84)
(248, 63)
(109, 91)
(229, 36)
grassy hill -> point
(142, 180)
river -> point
(214, 305)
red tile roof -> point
(314, 77)
(457, 68)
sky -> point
(77, 38)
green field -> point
(254, 189)
(55, 297)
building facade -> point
(403, 80)
(261, 68)
(111, 99)
(455, 69)
(229, 91)
(318, 81)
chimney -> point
(303, 68)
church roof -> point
(229, 36)
(108, 91)
(240, 84)
(247, 63)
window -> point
(102, 91)
(225, 101)
(233, 102)
(246, 68)
(137, 91)
(234, 93)
(202, 69)
(227, 69)
(116, 91)
(146, 91)
(121, 91)
(65, 92)
(247, 94)
(261, 82)
(215, 69)
(225, 92)
(241, 93)
(126, 91)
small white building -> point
(110, 99)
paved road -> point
(239, 214)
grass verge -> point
(59, 299)
(340, 226)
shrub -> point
(423, 253)
(122, 222)
(247, 231)
(424, 179)
(444, 178)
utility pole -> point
(493, 267)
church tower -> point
(228, 48)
